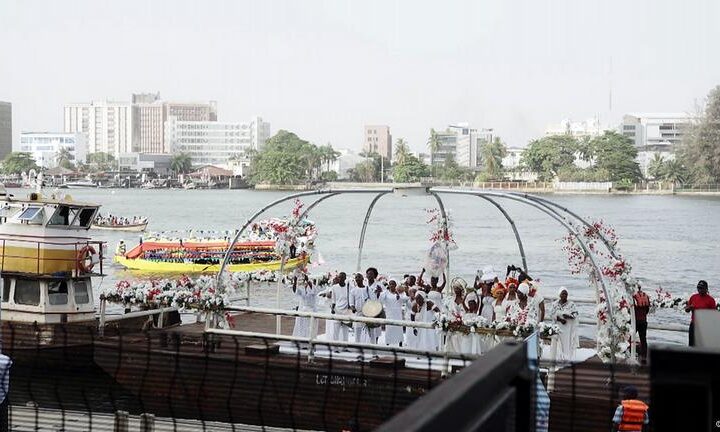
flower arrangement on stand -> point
(613, 336)
(441, 242)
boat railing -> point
(42, 244)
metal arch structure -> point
(565, 223)
(551, 209)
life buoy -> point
(87, 258)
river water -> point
(671, 241)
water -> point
(671, 241)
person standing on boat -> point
(632, 414)
(470, 343)
(564, 313)
(499, 308)
(641, 306)
(376, 290)
(701, 300)
(411, 336)
(487, 302)
(359, 294)
(340, 298)
(424, 312)
(393, 301)
(307, 302)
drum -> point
(347, 312)
(373, 309)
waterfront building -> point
(107, 125)
(5, 129)
(655, 133)
(159, 163)
(578, 129)
(463, 144)
(45, 146)
(346, 161)
(215, 143)
(378, 140)
(150, 114)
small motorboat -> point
(78, 185)
(137, 227)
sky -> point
(324, 69)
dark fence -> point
(68, 378)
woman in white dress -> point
(470, 343)
(564, 313)
(456, 309)
(307, 302)
(411, 334)
(393, 301)
(430, 338)
(499, 307)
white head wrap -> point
(488, 274)
(524, 288)
(472, 297)
(561, 290)
(421, 293)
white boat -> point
(78, 185)
(138, 227)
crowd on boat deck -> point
(119, 220)
(490, 298)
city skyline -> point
(324, 70)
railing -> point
(713, 187)
(33, 242)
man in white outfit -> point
(359, 294)
(340, 305)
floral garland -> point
(440, 227)
(291, 231)
(455, 323)
(613, 337)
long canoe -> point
(143, 265)
(130, 227)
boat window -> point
(86, 217)
(6, 289)
(32, 214)
(82, 295)
(61, 216)
(58, 292)
(27, 292)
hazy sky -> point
(323, 69)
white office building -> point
(463, 144)
(346, 161)
(578, 129)
(655, 133)
(45, 146)
(215, 143)
(107, 125)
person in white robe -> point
(470, 343)
(486, 302)
(376, 288)
(307, 302)
(499, 307)
(456, 309)
(411, 335)
(393, 301)
(359, 294)
(564, 313)
(430, 338)
(339, 305)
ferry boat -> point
(204, 257)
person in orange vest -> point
(632, 413)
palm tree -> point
(674, 171)
(434, 146)
(402, 151)
(181, 163)
(64, 158)
(656, 167)
(492, 154)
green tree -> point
(402, 151)
(181, 163)
(700, 151)
(451, 171)
(64, 158)
(366, 171)
(545, 156)
(410, 170)
(656, 167)
(615, 153)
(101, 161)
(18, 162)
(674, 171)
(433, 144)
(492, 154)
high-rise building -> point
(259, 132)
(655, 133)
(107, 125)
(378, 140)
(212, 142)
(45, 146)
(5, 129)
(150, 114)
(462, 143)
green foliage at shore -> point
(18, 162)
(409, 169)
(611, 156)
(699, 156)
(101, 161)
(287, 159)
(181, 163)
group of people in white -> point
(119, 220)
(490, 299)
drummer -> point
(339, 296)
(376, 290)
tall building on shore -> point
(107, 125)
(655, 133)
(461, 143)
(578, 129)
(45, 146)
(378, 140)
(5, 129)
(213, 142)
(150, 113)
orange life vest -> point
(633, 416)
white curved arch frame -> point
(546, 206)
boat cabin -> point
(46, 262)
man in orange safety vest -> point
(632, 414)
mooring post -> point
(147, 422)
(122, 421)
